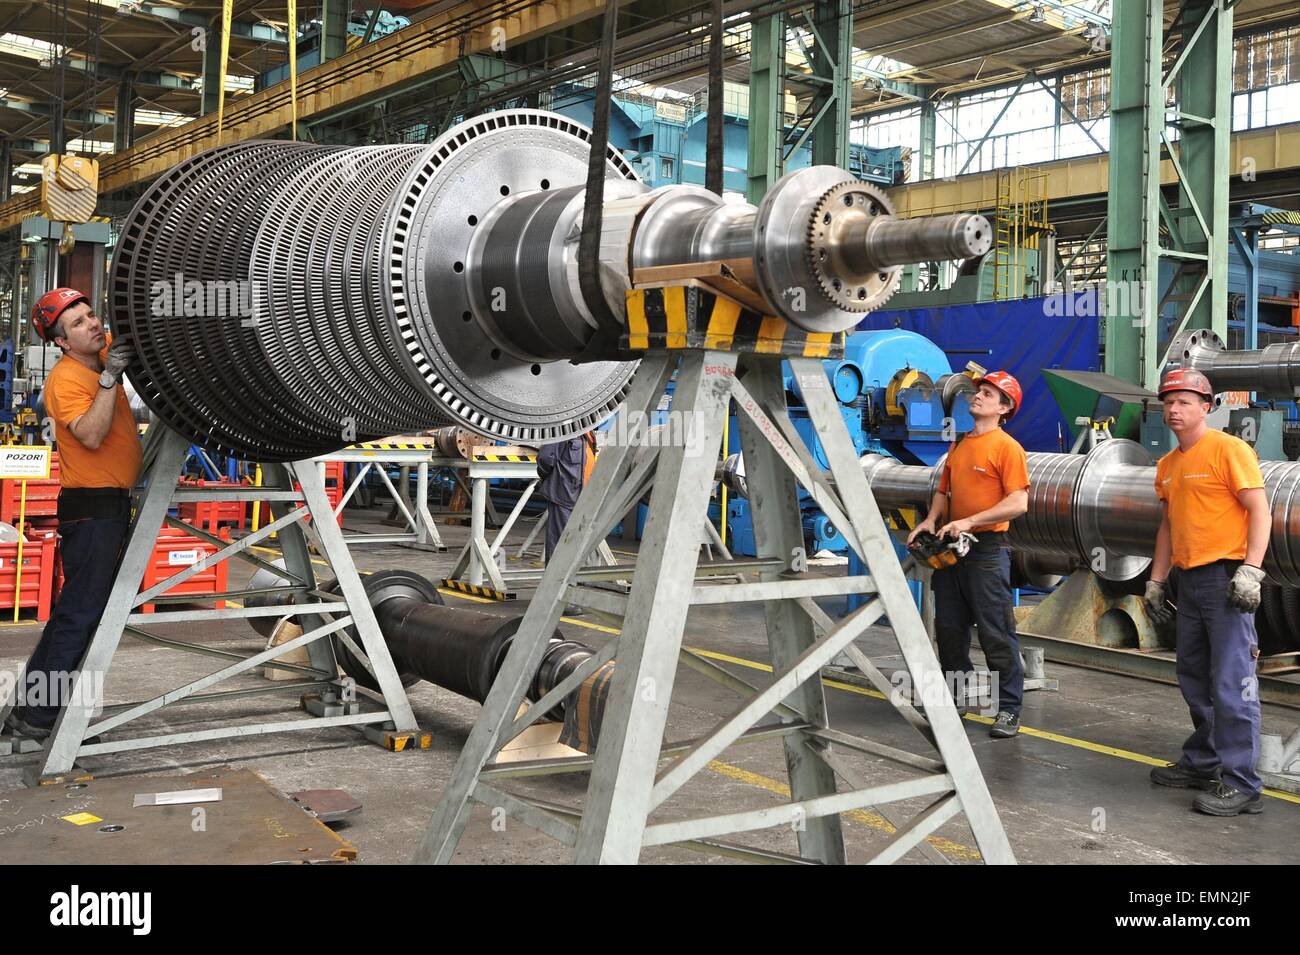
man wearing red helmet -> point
(984, 486)
(1215, 531)
(99, 461)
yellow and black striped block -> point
(1281, 217)
(515, 458)
(686, 317)
(388, 446)
(475, 590)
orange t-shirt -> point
(1199, 487)
(69, 392)
(980, 471)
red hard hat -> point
(1186, 379)
(1006, 384)
(51, 305)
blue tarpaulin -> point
(1022, 337)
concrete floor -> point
(1072, 788)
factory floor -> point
(1072, 788)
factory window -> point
(665, 168)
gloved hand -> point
(925, 525)
(1243, 589)
(119, 357)
(1157, 609)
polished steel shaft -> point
(889, 242)
(1099, 510)
(1270, 372)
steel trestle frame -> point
(321, 615)
(627, 783)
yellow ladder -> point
(1004, 235)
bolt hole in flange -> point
(505, 190)
(458, 267)
(467, 316)
(536, 369)
(496, 354)
(472, 220)
(546, 184)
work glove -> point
(119, 357)
(1243, 589)
(1155, 598)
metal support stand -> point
(422, 532)
(627, 786)
(320, 614)
(478, 558)
(1279, 761)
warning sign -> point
(25, 462)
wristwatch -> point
(106, 380)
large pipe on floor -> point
(287, 299)
(1270, 372)
(1099, 510)
(452, 647)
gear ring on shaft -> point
(844, 207)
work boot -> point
(1179, 777)
(1006, 725)
(1226, 801)
(19, 726)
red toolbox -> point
(42, 497)
(211, 515)
(177, 550)
(36, 589)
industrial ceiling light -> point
(127, 7)
(1037, 14)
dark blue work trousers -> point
(1217, 646)
(557, 519)
(977, 592)
(91, 550)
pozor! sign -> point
(25, 462)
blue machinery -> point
(898, 395)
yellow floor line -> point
(975, 718)
(1084, 744)
(954, 850)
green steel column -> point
(929, 130)
(1133, 225)
(6, 178)
(333, 28)
(766, 104)
(832, 60)
(211, 66)
(1204, 85)
(124, 113)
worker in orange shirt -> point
(99, 462)
(1215, 533)
(985, 486)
